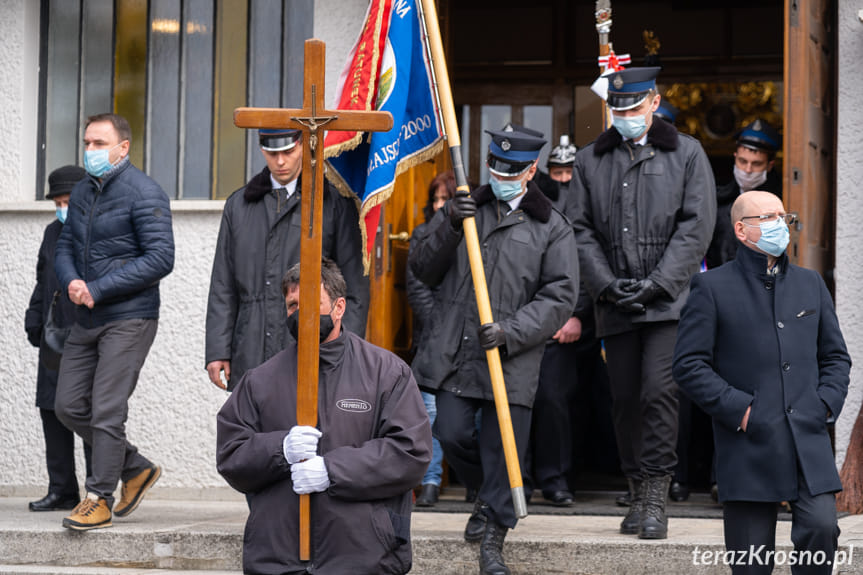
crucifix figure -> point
(311, 119)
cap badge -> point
(617, 82)
(505, 145)
(757, 125)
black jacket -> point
(422, 298)
(532, 276)
(118, 238)
(37, 312)
(747, 338)
(642, 212)
(723, 246)
(246, 316)
(376, 445)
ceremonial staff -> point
(475, 255)
(310, 119)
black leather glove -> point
(462, 206)
(34, 336)
(643, 292)
(617, 290)
(491, 335)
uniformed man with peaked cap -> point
(529, 255)
(757, 144)
(645, 215)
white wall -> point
(849, 231)
(173, 409)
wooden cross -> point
(310, 119)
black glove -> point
(617, 290)
(462, 206)
(642, 292)
(491, 335)
(34, 336)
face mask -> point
(327, 326)
(750, 181)
(97, 162)
(504, 190)
(774, 237)
(61, 214)
(630, 126)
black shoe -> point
(491, 550)
(624, 500)
(55, 502)
(475, 527)
(428, 496)
(562, 498)
(678, 491)
(470, 495)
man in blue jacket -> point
(759, 349)
(116, 246)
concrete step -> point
(205, 538)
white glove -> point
(310, 476)
(301, 443)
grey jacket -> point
(643, 212)
(531, 270)
(246, 316)
(376, 446)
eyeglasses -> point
(765, 218)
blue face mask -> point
(774, 237)
(61, 214)
(629, 126)
(505, 190)
(97, 162)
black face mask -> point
(327, 325)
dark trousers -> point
(814, 528)
(550, 453)
(98, 374)
(644, 398)
(60, 455)
(479, 460)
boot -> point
(475, 527)
(491, 550)
(428, 496)
(654, 523)
(630, 523)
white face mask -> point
(749, 181)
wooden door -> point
(390, 321)
(809, 180)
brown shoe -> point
(91, 513)
(134, 490)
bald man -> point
(760, 350)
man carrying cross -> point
(259, 239)
(371, 446)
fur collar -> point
(534, 203)
(260, 185)
(661, 134)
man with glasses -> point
(644, 218)
(760, 350)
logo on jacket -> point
(356, 405)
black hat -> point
(62, 180)
(666, 111)
(278, 140)
(513, 149)
(759, 135)
(562, 155)
(628, 88)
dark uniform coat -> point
(643, 212)
(531, 269)
(772, 342)
(37, 312)
(723, 247)
(246, 316)
(376, 445)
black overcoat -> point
(745, 338)
(531, 269)
(37, 311)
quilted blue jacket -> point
(118, 239)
